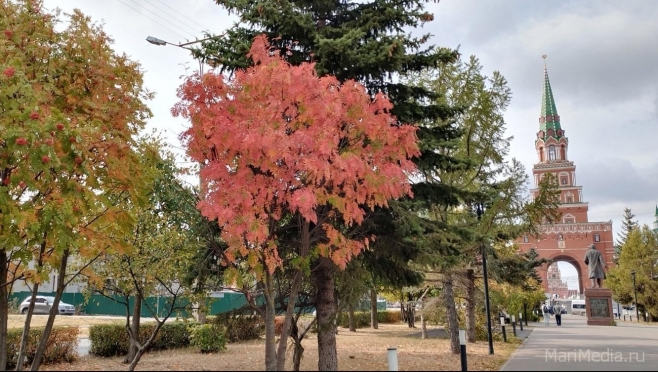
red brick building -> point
(569, 239)
(556, 285)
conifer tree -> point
(627, 226)
(365, 41)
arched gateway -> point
(569, 239)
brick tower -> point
(568, 239)
(556, 285)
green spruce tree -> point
(627, 226)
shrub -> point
(61, 346)
(171, 336)
(278, 325)
(208, 338)
(240, 327)
(112, 339)
(362, 318)
(389, 316)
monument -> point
(598, 299)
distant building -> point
(567, 240)
(556, 286)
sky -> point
(601, 58)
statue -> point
(595, 265)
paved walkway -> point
(577, 346)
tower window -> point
(564, 180)
(560, 237)
(525, 239)
(569, 199)
(597, 238)
(551, 152)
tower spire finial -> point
(548, 119)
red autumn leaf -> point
(34, 115)
(45, 159)
(21, 141)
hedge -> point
(61, 346)
(112, 339)
(362, 318)
(240, 327)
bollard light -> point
(521, 321)
(462, 348)
(502, 326)
(392, 359)
(502, 320)
(513, 325)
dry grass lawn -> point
(81, 321)
(361, 351)
(17, 321)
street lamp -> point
(160, 42)
(637, 311)
(480, 212)
(156, 41)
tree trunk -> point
(374, 322)
(295, 287)
(141, 350)
(4, 308)
(297, 356)
(326, 314)
(423, 325)
(54, 310)
(270, 334)
(451, 312)
(200, 314)
(137, 314)
(20, 361)
(287, 322)
(470, 306)
(411, 314)
(350, 314)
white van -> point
(578, 307)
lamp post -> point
(637, 311)
(480, 212)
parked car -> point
(43, 304)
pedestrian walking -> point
(547, 315)
(558, 316)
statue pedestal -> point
(599, 306)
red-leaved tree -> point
(278, 140)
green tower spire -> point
(549, 119)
